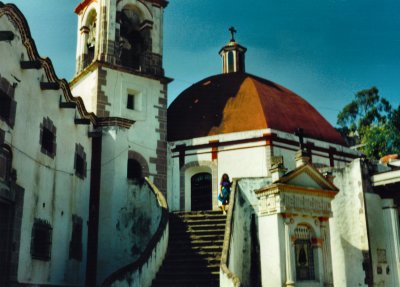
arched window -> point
(134, 171)
(305, 265)
(5, 163)
(89, 34)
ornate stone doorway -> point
(201, 191)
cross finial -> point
(300, 133)
(233, 31)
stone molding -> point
(294, 203)
(214, 174)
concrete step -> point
(196, 242)
(194, 250)
(189, 222)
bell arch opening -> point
(133, 37)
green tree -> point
(371, 122)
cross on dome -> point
(233, 31)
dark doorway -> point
(5, 248)
(201, 189)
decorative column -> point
(326, 252)
(289, 254)
(391, 225)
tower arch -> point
(133, 34)
(89, 33)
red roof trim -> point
(83, 5)
(271, 139)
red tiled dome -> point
(236, 102)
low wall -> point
(240, 259)
(141, 272)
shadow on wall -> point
(244, 250)
(353, 254)
(137, 220)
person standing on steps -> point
(225, 190)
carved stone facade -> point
(300, 201)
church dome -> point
(237, 102)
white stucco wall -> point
(52, 191)
(242, 245)
(87, 90)
(349, 238)
(243, 157)
(129, 217)
(272, 246)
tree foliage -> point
(371, 122)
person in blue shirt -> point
(225, 190)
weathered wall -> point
(378, 239)
(349, 238)
(244, 260)
(52, 190)
(129, 216)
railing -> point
(226, 277)
(142, 272)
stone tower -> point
(120, 78)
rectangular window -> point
(47, 140)
(80, 161)
(3, 167)
(48, 137)
(79, 165)
(5, 163)
(75, 245)
(130, 102)
(41, 240)
(5, 106)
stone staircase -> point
(194, 250)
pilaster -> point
(326, 252)
(289, 250)
(391, 225)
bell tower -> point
(120, 78)
(126, 33)
(233, 55)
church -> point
(102, 184)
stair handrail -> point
(162, 230)
(235, 280)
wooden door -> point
(201, 191)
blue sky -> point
(325, 51)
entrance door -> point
(201, 189)
(5, 234)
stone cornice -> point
(311, 171)
(98, 64)
(291, 202)
(281, 188)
